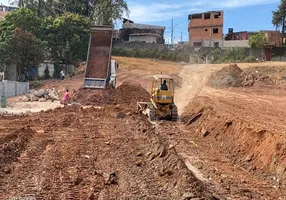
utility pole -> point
(283, 23)
(181, 36)
(172, 34)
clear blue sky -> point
(249, 15)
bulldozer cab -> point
(162, 91)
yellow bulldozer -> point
(162, 104)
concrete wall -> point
(147, 39)
(280, 58)
(235, 43)
(13, 88)
(207, 43)
(138, 45)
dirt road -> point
(194, 78)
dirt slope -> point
(242, 128)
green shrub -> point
(250, 59)
(152, 54)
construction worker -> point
(62, 75)
(164, 86)
(66, 98)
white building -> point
(145, 37)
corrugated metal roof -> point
(145, 34)
(141, 26)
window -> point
(206, 30)
(197, 16)
(197, 44)
(216, 44)
(217, 15)
(215, 30)
(207, 15)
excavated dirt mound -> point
(94, 97)
(131, 93)
(226, 77)
(127, 93)
(233, 76)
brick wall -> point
(206, 28)
(206, 33)
(202, 22)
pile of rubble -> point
(250, 78)
(233, 76)
(42, 95)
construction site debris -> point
(228, 76)
(250, 78)
(41, 95)
(233, 76)
(110, 178)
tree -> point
(22, 49)
(67, 37)
(107, 11)
(279, 17)
(19, 40)
(99, 11)
(257, 40)
(22, 18)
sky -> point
(241, 15)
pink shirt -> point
(66, 96)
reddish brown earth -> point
(228, 144)
(67, 154)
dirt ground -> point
(228, 144)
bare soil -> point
(228, 144)
(71, 153)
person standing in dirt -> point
(66, 98)
(62, 75)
